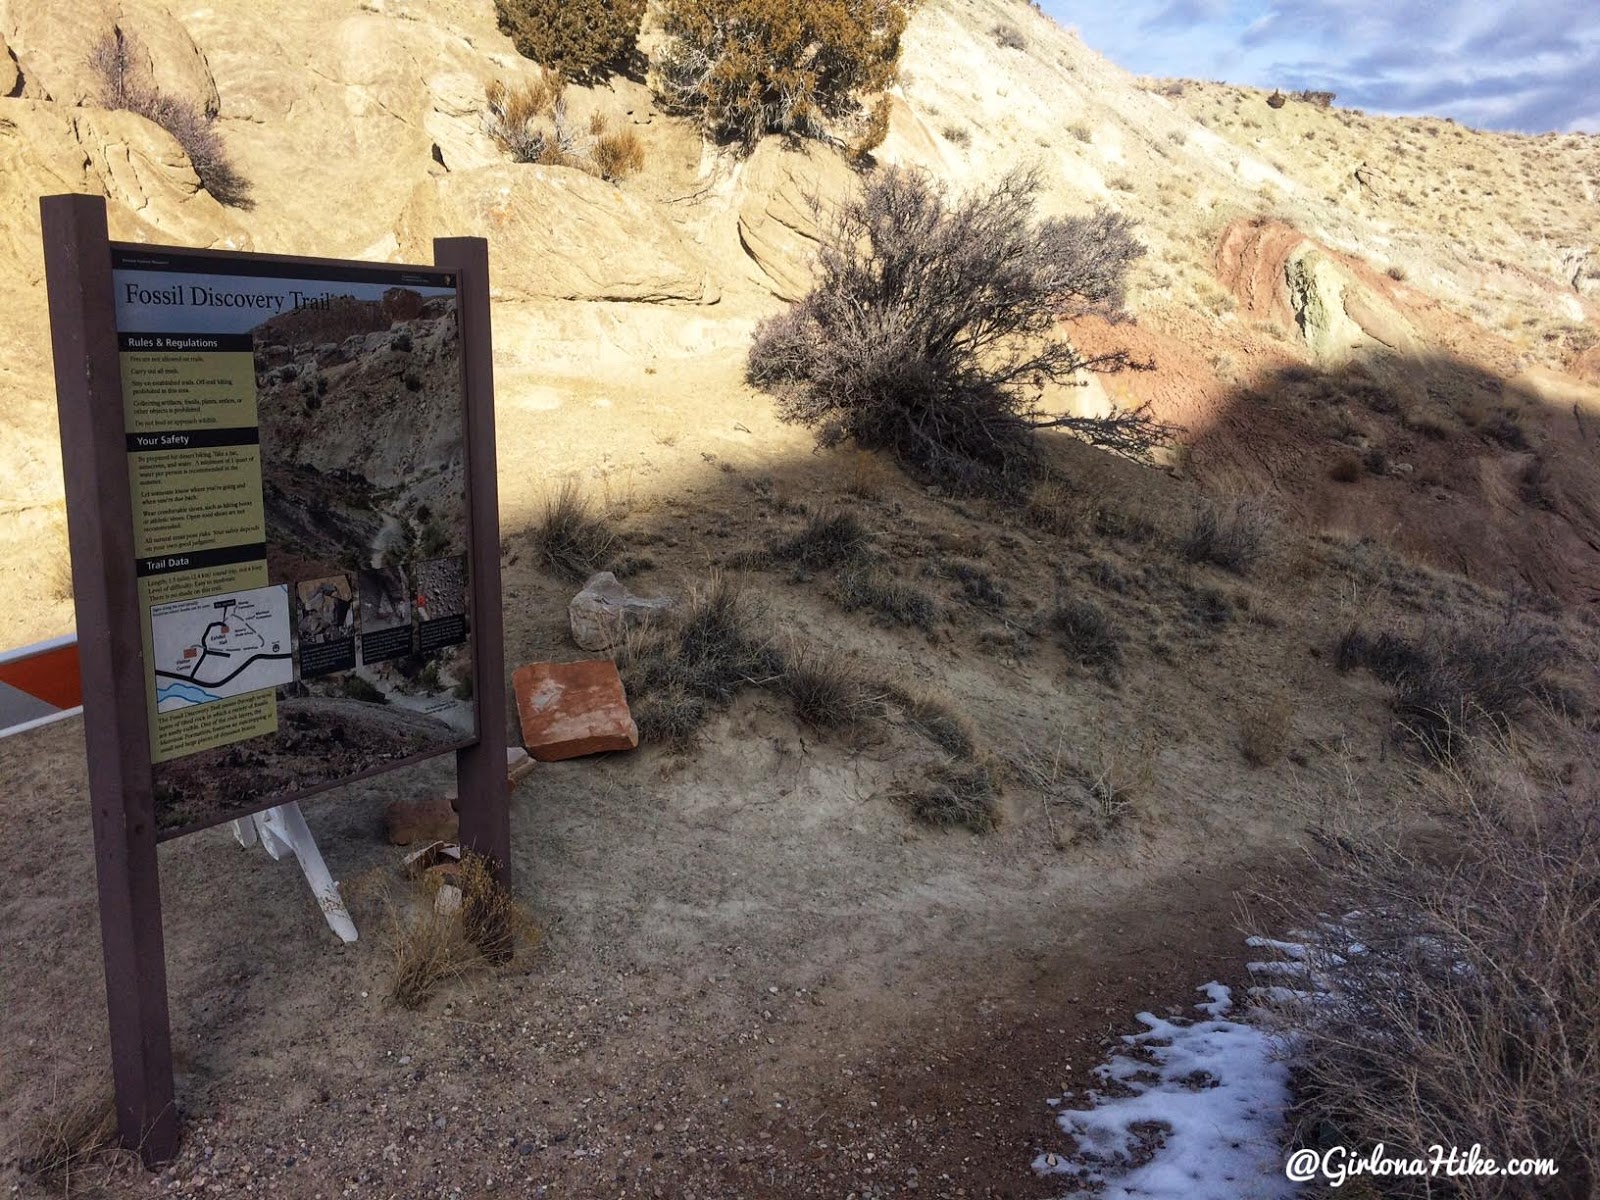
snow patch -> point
(1193, 1110)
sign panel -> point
(296, 467)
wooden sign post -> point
(283, 516)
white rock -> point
(605, 610)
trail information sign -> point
(296, 458)
(282, 507)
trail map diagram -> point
(215, 647)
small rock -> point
(430, 820)
(448, 900)
(519, 765)
(605, 610)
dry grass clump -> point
(435, 947)
(933, 719)
(116, 64)
(828, 540)
(678, 672)
(71, 1149)
(958, 796)
(1088, 633)
(1457, 1004)
(827, 693)
(1234, 534)
(1460, 679)
(531, 124)
(1100, 787)
(569, 538)
(978, 586)
(887, 597)
(618, 154)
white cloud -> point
(1523, 65)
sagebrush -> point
(933, 329)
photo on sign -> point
(354, 391)
(385, 614)
(328, 625)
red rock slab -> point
(572, 709)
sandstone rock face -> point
(558, 233)
(53, 49)
(10, 72)
(605, 610)
(776, 224)
(572, 709)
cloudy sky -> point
(1530, 65)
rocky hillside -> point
(1321, 284)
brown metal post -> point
(481, 769)
(100, 528)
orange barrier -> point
(39, 684)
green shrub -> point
(582, 39)
(751, 67)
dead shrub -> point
(569, 538)
(618, 154)
(1456, 1004)
(958, 796)
(520, 120)
(583, 39)
(1346, 468)
(1460, 679)
(930, 332)
(71, 1148)
(1009, 37)
(1088, 634)
(116, 64)
(1233, 534)
(745, 68)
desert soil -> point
(780, 994)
